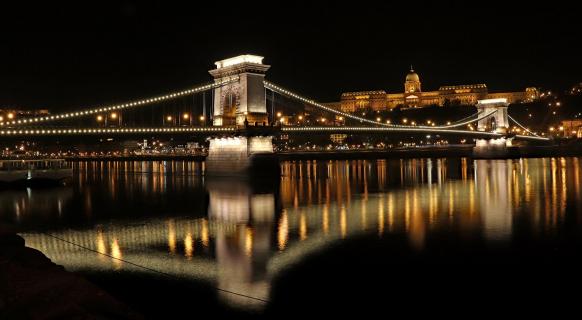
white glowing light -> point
(246, 58)
(491, 101)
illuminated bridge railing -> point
(427, 130)
(97, 131)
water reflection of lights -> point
(116, 253)
(247, 240)
(283, 231)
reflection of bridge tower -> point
(245, 99)
(242, 256)
(241, 103)
(496, 122)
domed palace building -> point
(414, 97)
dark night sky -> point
(81, 55)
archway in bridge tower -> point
(491, 124)
(229, 108)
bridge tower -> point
(242, 103)
(497, 122)
(242, 99)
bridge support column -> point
(242, 155)
(243, 104)
(497, 122)
(500, 148)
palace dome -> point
(412, 76)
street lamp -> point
(10, 116)
(101, 119)
(117, 117)
(186, 117)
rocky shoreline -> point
(33, 287)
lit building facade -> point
(414, 97)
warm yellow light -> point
(201, 118)
(10, 115)
(561, 128)
(301, 117)
(1, 118)
(378, 119)
(341, 118)
(186, 116)
(404, 120)
(114, 115)
(169, 118)
(99, 118)
(413, 123)
(279, 114)
(551, 128)
(388, 121)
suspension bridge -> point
(236, 116)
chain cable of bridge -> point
(524, 128)
(273, 87)
(130, 104)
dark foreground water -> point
(451, 237)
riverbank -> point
(33, 287)
(433, 152)
(456, 151)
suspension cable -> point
(524, 128)
(131, 104)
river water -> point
(340, 229)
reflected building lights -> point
(252, 233)
(302, 226)
(188, 245)
(172, 236)
(116, 253)
(283, 231)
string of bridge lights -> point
(136, 103)
(278, 89)
(35, 132)
(406, 129)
